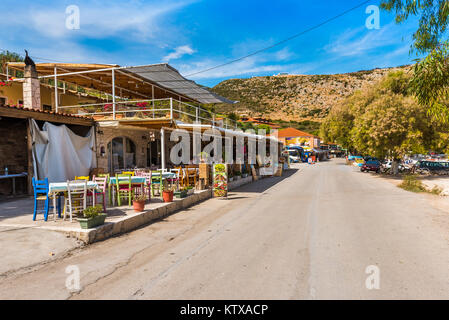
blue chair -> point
(41, 188)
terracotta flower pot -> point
(139, 206)
(167, 196)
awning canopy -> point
(151, 81)
(168, 77)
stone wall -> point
(13, 152)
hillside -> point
(296, 98)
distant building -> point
(292, 136)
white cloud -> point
(178, 53)
(97, 20)
(360, 41)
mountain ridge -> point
(294, 98)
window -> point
(121, 154)
(46, 107)
(2, 101)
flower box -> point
(180, 194)
(88, 223)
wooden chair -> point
(102, 183)
(76, 200)
(192, 174)
(124, 188)
(148, 182)
(176, 171)
(82, 178)
(131, 173)
(41, 189)
(157, 182)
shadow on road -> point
(265, 183)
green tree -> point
(430, 81)
(433, 20)
(8, 56)
(385, 120)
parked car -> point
(430, 167)
(371, 165)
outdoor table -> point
(13, 177)
(113, 181)
(57, 187)
(136, 180)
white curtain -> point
(59, 154)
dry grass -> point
(412, 184)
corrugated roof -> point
(168, 77)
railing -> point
(150, 109)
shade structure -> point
(168, 77)
(148, 81)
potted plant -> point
(167, 194)
(190, 190)
(139, 202)
(182, 193)
(92, 217)
(237, 175)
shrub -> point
(91, 212)
(411, 183)
(140, 197)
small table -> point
(57, 187)
(13, 177)
(135, 181)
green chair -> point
(124, 188)
(156, 182)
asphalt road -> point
(308, 235)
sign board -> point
(220, 186)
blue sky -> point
(193, 35)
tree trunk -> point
(395, 166)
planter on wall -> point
(167, 196)
(88, 223)
(139, 206)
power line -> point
(283, 41)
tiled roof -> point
(47, 112)
(292, 132)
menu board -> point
(220, 186)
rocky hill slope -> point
(294, 97)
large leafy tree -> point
(385, 120)
(431, 77)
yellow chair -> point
(131, 173)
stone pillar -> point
(31, 89)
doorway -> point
(121, 154)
